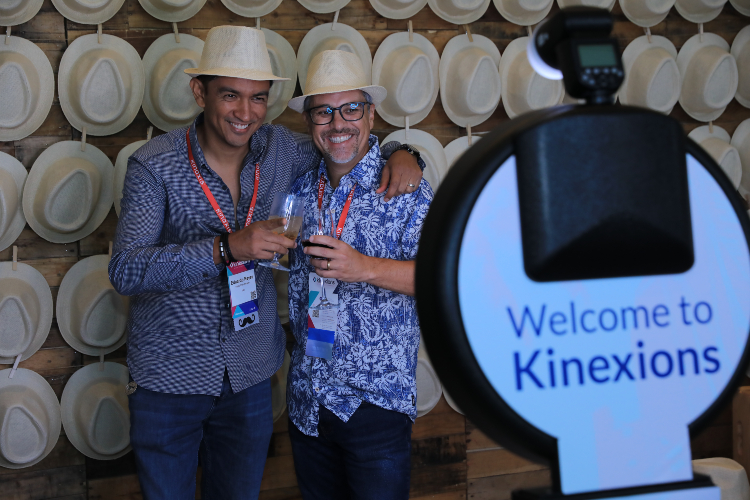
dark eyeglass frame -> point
(333, 112)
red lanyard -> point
(210, 196)
(344, 211)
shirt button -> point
(205, 275)
(226, 188)
(226, 305)
(317, 389)
(224, 339)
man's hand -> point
(258, 241)
(341, 261)
(400, 170)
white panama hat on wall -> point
(323, 6)
(95, 412)
(88, 11)
(25, 311)
(524, 12)
(29, 418)
(470, 84)
(741, 53)
(251, 8)
(709, 76)
(409, 71)
(646, 13)
(168, 101)
(430, 150)
(68, 192)
(717, 144)
(101, 84)
(284, 63)
(15, 12)
(459, 11)
(727, 474)
(458, 147)
(652, 78)
(398, 9)
(742, 6)
(172, 11)
(741, 142)
(12, 178)
(699, 11)
(121, 168)
(28, 88)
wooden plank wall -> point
(452, 459)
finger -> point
(322, 239)
(275, 248)
(277, 239)
(322, 253)
(385, 177)
(393, 188)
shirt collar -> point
(257, 144)
(366, 172)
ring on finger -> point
(328, 264)
(411, 185)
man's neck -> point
(219, 155)
(338, 170)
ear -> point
(199, 92)
(372, 116)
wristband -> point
(230, 257)
(222, 248)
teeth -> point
(239, 127)
(337, 140)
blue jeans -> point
(368, 457)
(231, 433)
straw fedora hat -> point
(29, 419)
(330, 37)
(459, 11)
(284, 63)
(25, 311)
(652, 78)
(278, 388)
(68, 192)
(168, 100)
(95, 412)
(409, 71)
(121, 168)
(90, 313)
(14, 12)
(172, 11)
(717, 144)
(323, 6)
(101, 84)
(88, 12)
(251, 8)
(429, 388)
(523, 12)
(470, 79)
(727, 474)
(741, 142)
(334, 71)
(699, 11)
(709, 76)
(430, 150)
(601, 4)
(741, 52)
(457, 147)
(236, 52)
(398, 9)
(646, 13)
(12, 179)
(742, 6)
(523, 88)
(28, 85)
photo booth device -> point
(583, 282)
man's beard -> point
(341, 156)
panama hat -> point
(236, 52)
(68, 192)
(278, 388)
(409, 71)
(172, 11)
(741, 142)
(398, 9)
(88, 12)
(121, 168)
(100, 84)
(459, 11)
(457, 147)
(168, 100)
(29, 418)
(523, 12)
(741, 52)
(28, 85)
(95, 412)
(323, 6)
(470, 80)
(717, 144)
(646, 13)
(742, 6)
(251, 8)
(430, 150)
(14, 12)
(727, 474)
(334, 71)
(709, 76)
(25, 311)
(523, 88)
(90, 313)
(330, 37)
(699, 11)
(652, 78)
(601, 4)
(12, 179)
(429, 388)
(284, 63)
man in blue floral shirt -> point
(352, 385)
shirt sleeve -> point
(140, 264)
(390, 147)
(308, 156)
(415, 221)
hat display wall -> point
(523, 12)
(29, 419)
(28, 88)
(709, 76)
(12, 178)
(251, 8)
(741, 142)
(409, 71)
(100, 84)
(457, 147)
(646, 13)
(523, 88)
(168, 100)
(324, 37)
(95, 412)
(278, 388)
(25, 311)
(717, 144)
(699, 11)
(429, 388)
(88, 12)
(652, 78)
(90, 313)
(323, 6)
(121, 168)
(459, 11)
(727, 474)
(741, 53)
(601, 4)
(470, 85)
(15, 12)
(430, 150)
(68, 192)
(284, 63)
(397, 9)
(172, 11)
(742, 6)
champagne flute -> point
(318, 228)
(290, 208)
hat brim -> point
(288, 60)
(408, 10)
(468, 17)
(630, 56)
(121, 168)
(245, 74)
(430, 149)
(458, 147)
(79, 16)
(253, 11)
(324, 6)
(686, 53)
(31, 9)
(699, 17)
(377, 93)
(18, 172)
(643, 22)
(738, 44)
(741, 134)
(530, 19)
(173, 15)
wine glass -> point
(290, 208)
(318, 228)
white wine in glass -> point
(290, 208)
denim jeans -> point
(231, 432)
(368, 457)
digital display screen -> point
(597, 55)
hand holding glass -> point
(290, 208)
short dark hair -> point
(207, 78)
(306, 107)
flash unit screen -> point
(597, 55)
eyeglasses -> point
(351, 112)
